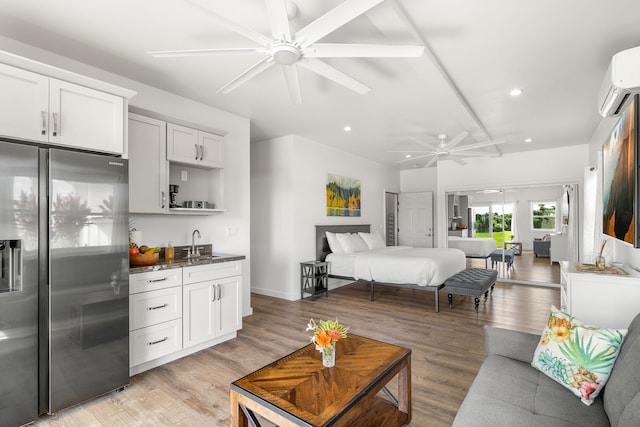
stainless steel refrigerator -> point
(64, 286)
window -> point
(543, 215)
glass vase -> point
(329, 356)
(600, 262)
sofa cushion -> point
(507, 392)
(577, 356)
(621, 396)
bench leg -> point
(486, 295)
(371, 290)
(477, 303)
(437, 300)
(450, 297)
(492, 288)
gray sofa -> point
(509, 392)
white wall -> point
(288, 182)
(158, 229)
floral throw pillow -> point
(578, 356)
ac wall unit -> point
(620, 82)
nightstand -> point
(314, 278)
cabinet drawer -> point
(155, 341)
(219, 270)
(154, 280)
(150, 308)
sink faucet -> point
(193, 242)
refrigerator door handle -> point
(163, 199)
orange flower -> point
(323, 339)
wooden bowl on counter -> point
(144, 259)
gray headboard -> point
(322, 247)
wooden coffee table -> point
(298, 390)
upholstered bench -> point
(471, 282)
(496, 256)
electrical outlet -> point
(184, 176)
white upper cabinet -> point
(24, 104)
(148, 179)
(85, 118)
(194, 147)
(44, 109)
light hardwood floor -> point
(447, 350)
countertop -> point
(163, 264)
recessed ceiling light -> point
(515, 92)
(528, 141)
(408, 156)
(347, 128)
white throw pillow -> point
(334, 245)
(577, 356)
(351, 242)
(373, 240)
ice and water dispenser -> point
(10, 266)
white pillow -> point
(334, 245)
(373, 240)
(351, 242)
(578, 356)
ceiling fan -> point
(290, 50)
(448, 150)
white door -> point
(415, 219)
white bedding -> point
(399, 264)
(477, 247)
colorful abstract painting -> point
(343, 196)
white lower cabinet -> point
(211, 305)
(155, 341)
(176, 312)
(210, 309)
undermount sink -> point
(203, 257)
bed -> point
(397, 266)
(474, 247)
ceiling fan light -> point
(285, 54)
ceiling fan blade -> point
(432, 161)
(411, 151)
(333, 20)
(290, 73)
(249, 73)
(474, 153)
(237, 28)
(336, 50)
(413, 158)
(458, 161)
(326, 70)
(208, 52)
(423, 143)
(278, 19)
(455, 141)
(477, 145)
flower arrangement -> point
(326, 333)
